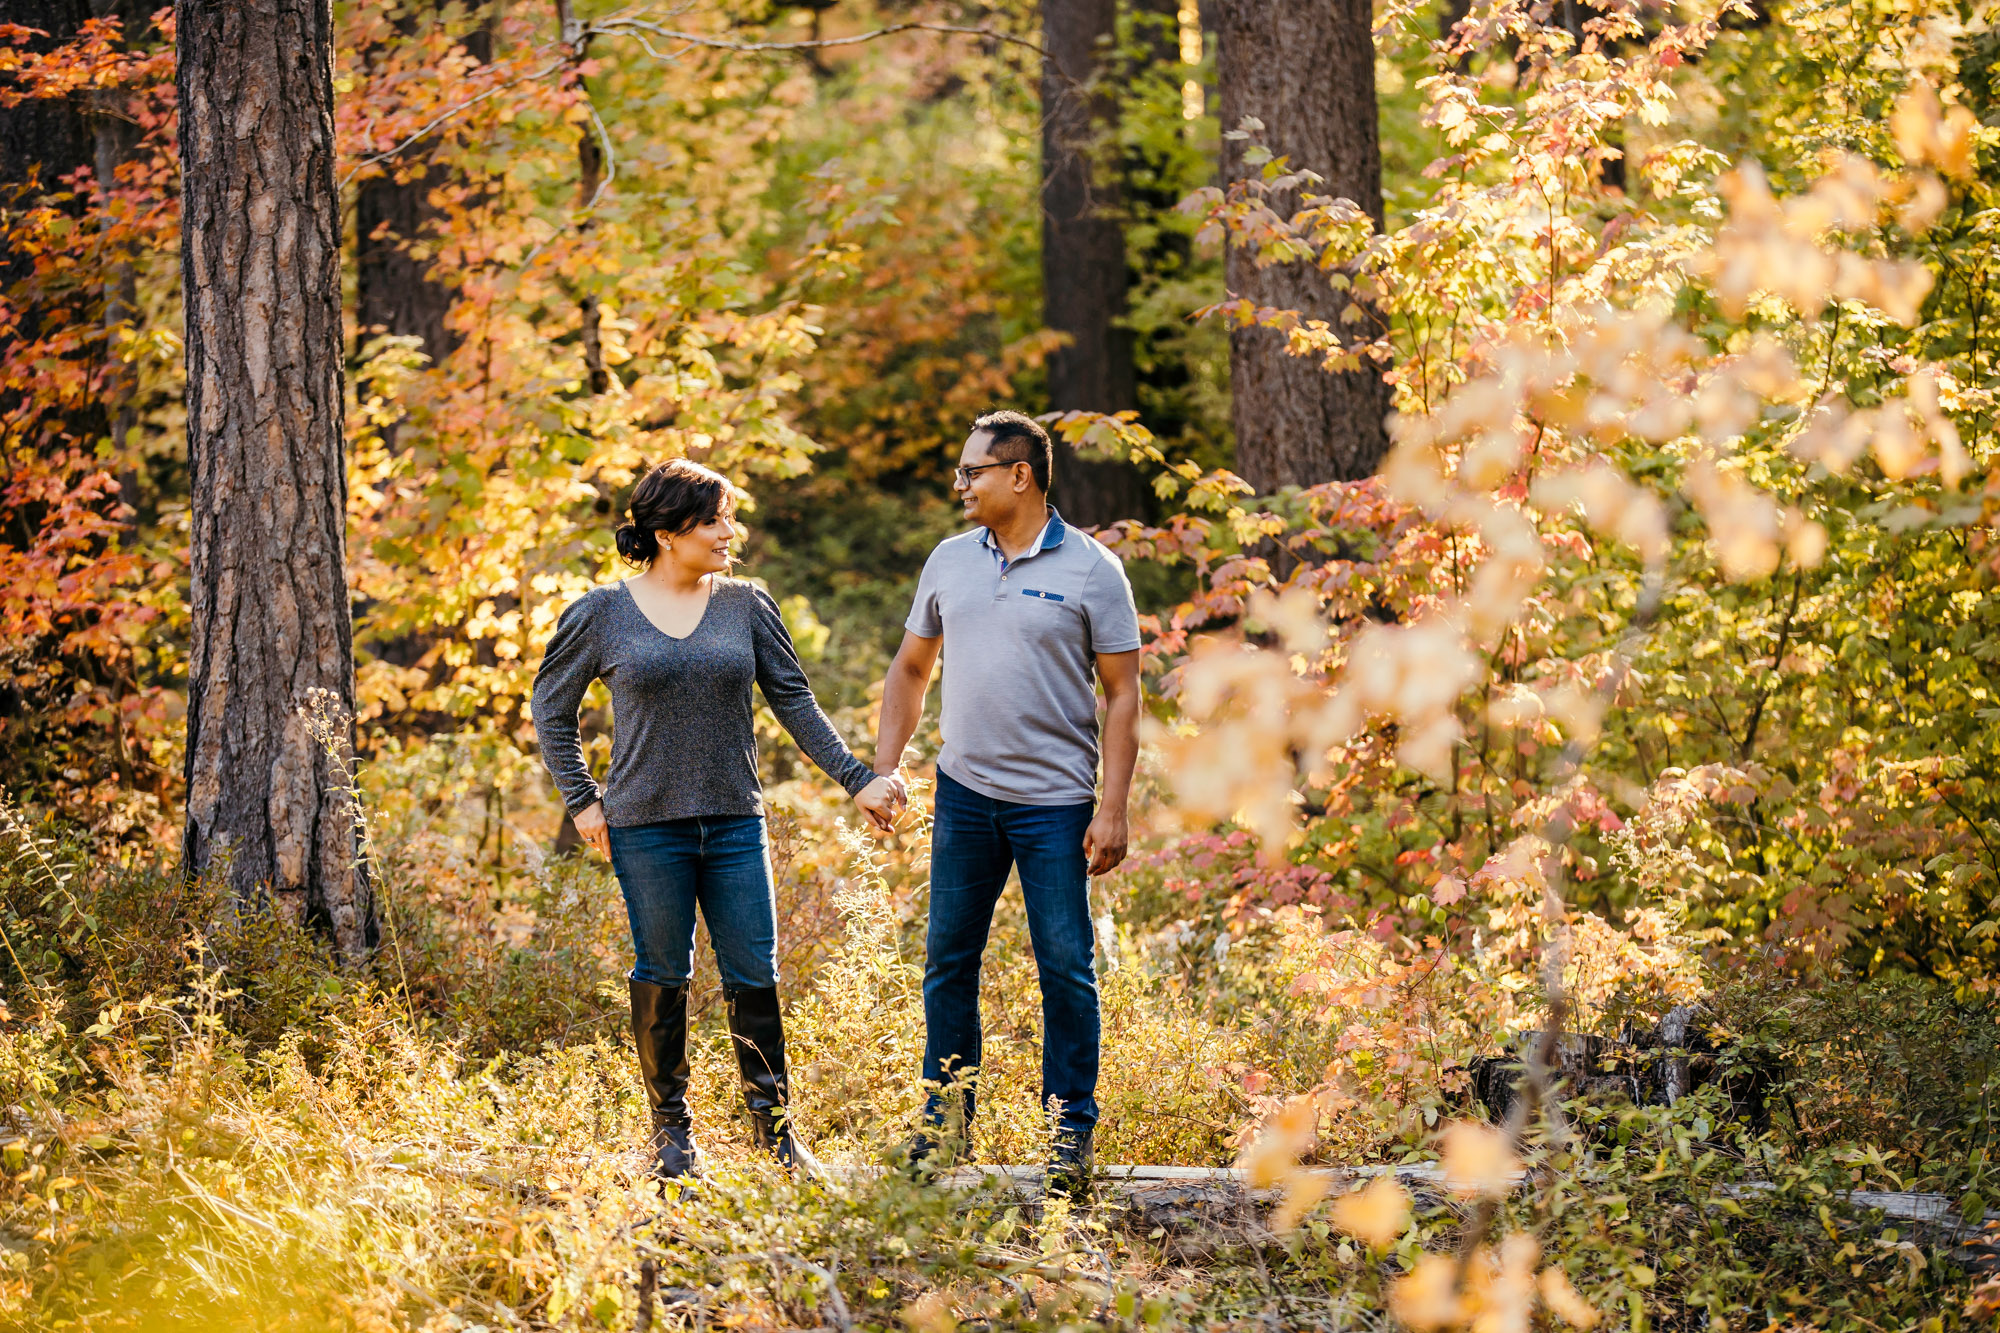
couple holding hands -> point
(1030, 615)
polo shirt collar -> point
(1052, 536)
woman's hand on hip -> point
(590, 826)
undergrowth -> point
(209, 1124)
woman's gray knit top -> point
(683, 743)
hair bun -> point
(636, 544)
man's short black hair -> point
(1019, 438)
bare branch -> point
(610, 157)
(615, 26)
(575, 36)
(444, 117)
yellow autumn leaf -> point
(1427, 1297)
(1302, 1191)
(1478, 1160)
(929, 1313)
(1274, 1155)
(1565, 1301)
(1376, 1215)
(1923, 205)
(1915, 121)
(1504, 1302)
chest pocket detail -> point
(1045, 596)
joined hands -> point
(883, 800)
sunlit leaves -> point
(1775, 246)
(1375, 1214)
(1479, 1162)
(1927, 135)
(1496, 1293)
(1273, 1154)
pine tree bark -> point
(1083, 257)
(271, 632)
(1308, 72)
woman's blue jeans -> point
(721, 864)
(974, 843)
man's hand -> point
(882, 800)
(590, 826)
(1104, 841)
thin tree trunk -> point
(1151, 192)
(42, 138)
(115, 138)
(589, 178)
(395, 291)
(42, 141)
(1307, 71)
(1083, 256)
(270, 624)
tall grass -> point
(206, 1122)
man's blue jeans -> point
(975, 841)
(721, 864)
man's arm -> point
(1104, 841)
(903, 692)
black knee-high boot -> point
(660, 1027)
(757, 1031)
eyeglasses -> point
(966, 474)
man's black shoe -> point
(675, 1156)
(1071, 1164)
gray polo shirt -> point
(1020, 669)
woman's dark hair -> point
(673, 497)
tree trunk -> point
(271, 634)
(1308, 72)
(42, 140)
(393, 289)
(1083, 257)
(1152, 188)
(115, 138)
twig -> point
(842, 1319)
(649, 1281)
(1093, 1285)
(1547, 1049)
(610, 157)
(444, 117)
(615, 25)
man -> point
(1030, 614)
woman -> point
(681, 813)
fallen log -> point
(1188, 1200)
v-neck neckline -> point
(700, 620)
